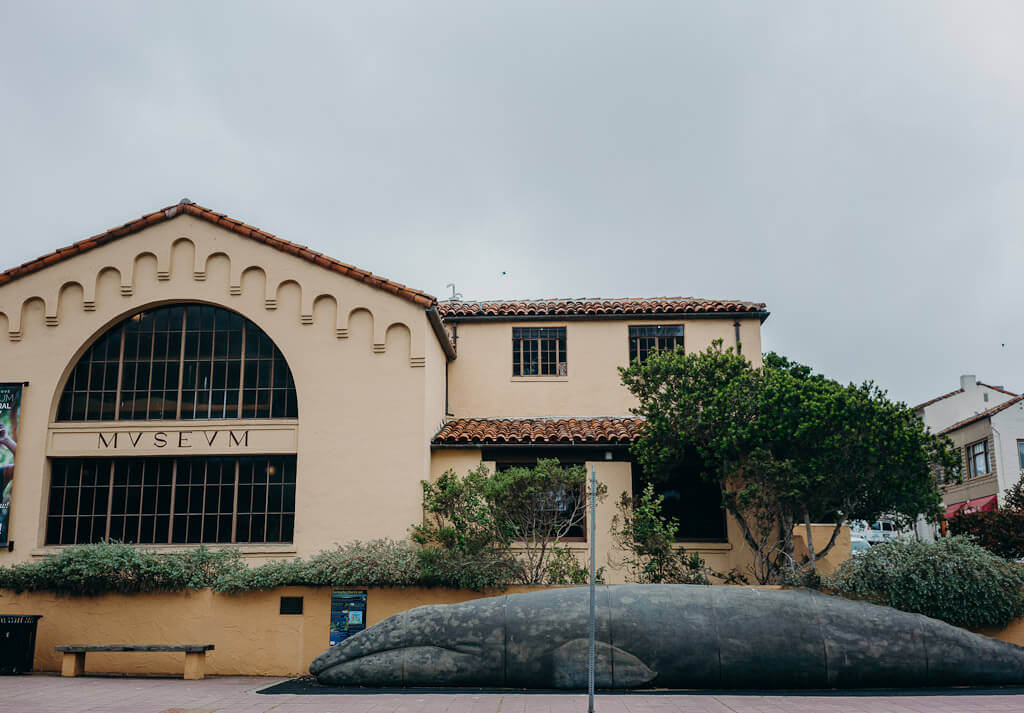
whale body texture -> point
(668, 636)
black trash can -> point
(17, 642)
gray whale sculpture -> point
(668, 636)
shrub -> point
(565, 568)
(447, 568)
(115, 567)
(378, 563)
(999, 531)
(648, 539)
(503, 526)
(953, 580)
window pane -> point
(142, 380)
(132, 497)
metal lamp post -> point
(593, 587)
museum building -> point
(188, 379)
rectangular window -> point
(693, 501)
(539, 351)
(1020, 454)
(977, 459)
(644, 340)
(216, 499)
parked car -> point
(859, 545)
(881, 530)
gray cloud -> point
(855, 165)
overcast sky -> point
(855, 165)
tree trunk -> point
(832, 540)
(810, 536)
(786, 536)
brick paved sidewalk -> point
(42, 693)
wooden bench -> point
(73, 661)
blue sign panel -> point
(348, 614)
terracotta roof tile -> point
(237, 226)
(1000, 389)
(456, 309)
(539, 430)
(983, 414)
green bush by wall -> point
(952, 579)
(113, 567)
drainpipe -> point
(447, 366)
(736, 327)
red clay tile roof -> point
(237, 226)
(539, 430)
(983, 414)
(1000, 389)
(960, 391)
(458, 309)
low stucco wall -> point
(250, 635)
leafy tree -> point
(515, 517)
(787, 446)
(1000, 531)
(540, 506)
(648, 539)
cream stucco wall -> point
(368, 372)
(481, 382)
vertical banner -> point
(348, 614)
(10, 405)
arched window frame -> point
(227, 369)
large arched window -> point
(180, 362)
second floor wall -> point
(484, 380)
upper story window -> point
(643, 340)
(539, 351)
(1020, 454)
(180, 362)
(977, 459)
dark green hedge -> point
(103, 568)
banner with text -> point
(10, 406)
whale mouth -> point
(474, 664)
(412, 666)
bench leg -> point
(195, 666)
(72, 664)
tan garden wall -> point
(250, 635)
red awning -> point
(981, 504)
(952, 510)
